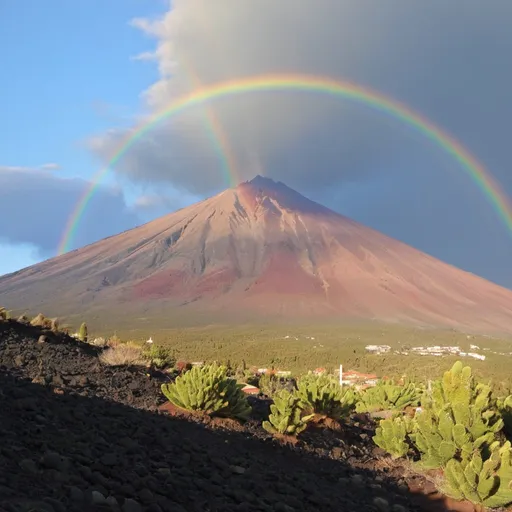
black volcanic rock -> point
(64, 450)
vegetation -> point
(270, 384)
(287, 415)
(455, 425)
(159, 357)
(483, 482)
(458, 429)
(388, 395)
(122, 354)
(391, 435)
(325, 397)
(82, 333)
(4, 314)
(505, 408)
(208, 389)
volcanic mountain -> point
(260, 250)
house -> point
(378, 349)
(359, 380)
(248, 389)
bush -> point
(324, 396)
(41, 321)
(286, 417)
(4, 314)
(123, 354)
(388, 396)
(484, 482)
(159, 357)
(208, 389)
(270, 384)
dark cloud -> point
(445, 60)
(35, 206)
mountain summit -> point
(260, 250)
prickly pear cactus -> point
(391, 435)
(458, 418)
(286, 415)
(484, 482)
(505, 408)
(208, 389)
(388, 396)
(324, 396)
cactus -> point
(324, 396)
(505, 408)
(456, 419)
(82, 333)
(388, 396)
(210, 390)
(486, 482)
(391, 435)
(286, 415)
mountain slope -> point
(261, 249)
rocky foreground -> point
(79, 436)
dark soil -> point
(78, 436)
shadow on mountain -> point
(64, 452)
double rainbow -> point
(296, 82)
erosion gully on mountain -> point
(79, 436)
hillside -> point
(79, 436)
(258, 251)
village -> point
(435, 350)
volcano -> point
(259, 251)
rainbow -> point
(297, 82)
(216, 134)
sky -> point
(79, 77)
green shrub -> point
(392, 435)
(387, 395)
(82, 333)
(485, 482)
(324, 396)
(210, 390)
(158, 356)
(270, 384)
(458, 417)
(286, 417)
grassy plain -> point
(300, 348)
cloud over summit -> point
(421, 53)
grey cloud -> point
(446, 60)
(35, 206)
(438, 57)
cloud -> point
(445, 62)
(17, 168)
(427, 55)
(35, 206)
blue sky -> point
(80, 75)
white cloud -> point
(18, 168)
